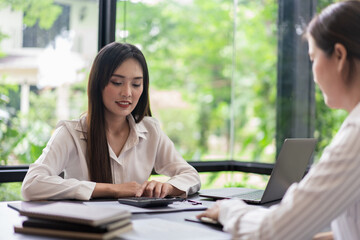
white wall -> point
(11, 24)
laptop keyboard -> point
(255, 195)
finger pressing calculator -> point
(147, 202)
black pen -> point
(193, 202)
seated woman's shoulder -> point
(68, 123)
(150, 122)
(73, 126)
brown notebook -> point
(77, 227)
(72, 234)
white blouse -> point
(329, 193)
(146, 148)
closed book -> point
(76, 213)
(73, 234)
(60, 225)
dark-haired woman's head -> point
(108, 60)
(338, 23)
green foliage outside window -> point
(45, 12)
(21, 143)
(189, 48)
(10, 191)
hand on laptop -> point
(157, 189)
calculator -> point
(147, 202)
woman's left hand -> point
(212, 212)
(157, 189)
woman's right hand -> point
(128, 189)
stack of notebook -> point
(75, 220)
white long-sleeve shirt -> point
(146, 148)
(330, 193)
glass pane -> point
(189, 48)
(46, 49)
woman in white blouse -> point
(330, 192)
(112, 150)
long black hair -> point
(106, 62)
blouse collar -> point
(137, 130)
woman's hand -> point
(157, 189)
(212, 212)
(131, 189)
(128, 189)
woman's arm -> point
(183, 177)
(115, 190)
(330, 188)
(63, 151)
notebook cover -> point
(72, 234)
(60, 225)
(76, 213)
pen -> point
(193, 202)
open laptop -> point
(290, 167)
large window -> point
(229, 79)
(46, 49)
(212, 73)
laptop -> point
(290, 167)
